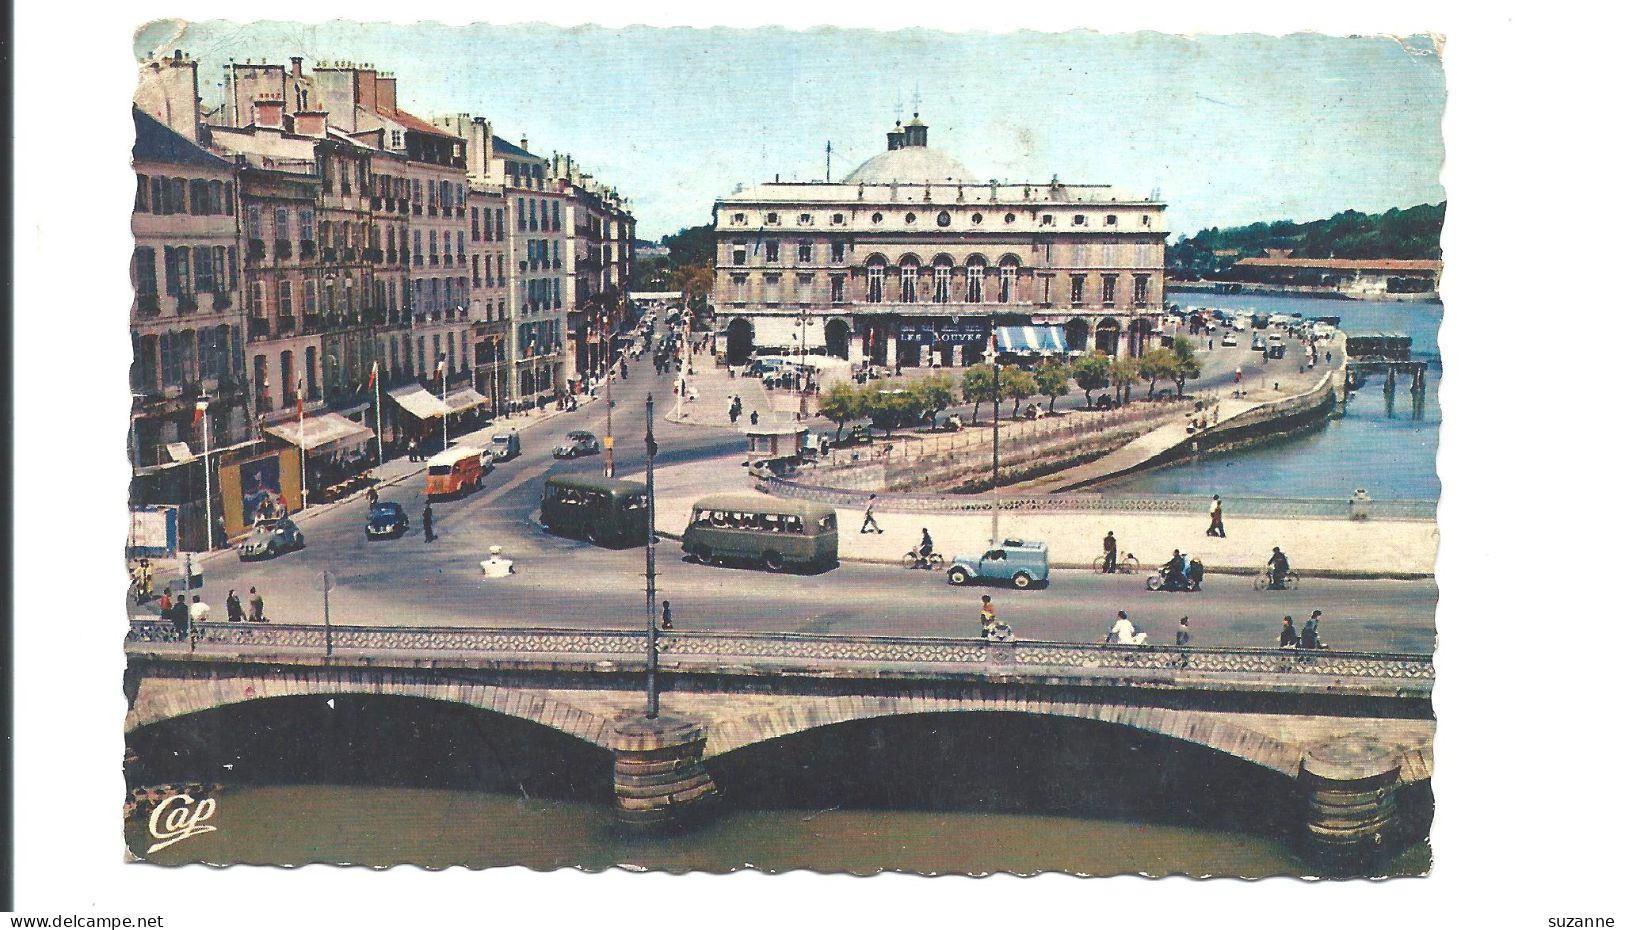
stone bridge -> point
(1350, 727)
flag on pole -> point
(299, 401)
(197, 411)
(372, 376)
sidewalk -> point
(1391, 549)
(711, 390)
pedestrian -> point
(372, 496)
(428, 522)
(1310, 637)
(164, 602)
(256, 606)
(733, 416)
(869, 517)
(1182, 636)
(220, 532)
(1289, 634)
(412, 450)
(1124, 633)
(199, 611)
(989, 616)
(1110, 543)
(665, 615)
(234, 607)
(1215, 518)
(181, 617)
(1238, 374)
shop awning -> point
(322, 433)
(465, 399)
(1031, 339)
(419, 402)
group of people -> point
(185, 616)
(1307, 638)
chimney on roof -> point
(311, 123)
(524, 143)
(268, 111)
(386, 94)
(298, 67)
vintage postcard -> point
(854, 451)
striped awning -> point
(1031, 339)
(419, 402)
(465, 399)
(322, 432)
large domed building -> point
(910, 261)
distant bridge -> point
(1346, 725)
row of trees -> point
(889, 404)
(1412, 232)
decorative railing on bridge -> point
(1027, 656)
(1303, 508)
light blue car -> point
(1021, 563)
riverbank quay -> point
(1329, 546)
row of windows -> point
(532, 214)
(187, 271)
(491, 230)
(943, 218)
(907, 286)
(198, 197)
(438, 245)
(174, 359)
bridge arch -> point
(162, 699)
(1208, 730)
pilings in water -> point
(1419, 379)
(1349, 787)
(660, 782)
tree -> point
(891, 407)
(1123, 373)
(1017, 384)
(1054, 380)
(976, 386)
(695, 281)
(1186, 364)
(1092, 373)
(936, 395)
(840, 404)
(1155, 365)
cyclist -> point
(1278, 566)
(926, 547)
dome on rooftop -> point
(908, 160)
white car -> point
(1229, 340)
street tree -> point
(1123, 373)
(1092, 374)
(891, 407)
(936, 395)
(1016, 384)
(1187, 365)
(695, 281)
(976, 386)
(1054, 380)
(1156, 365)
(840, 403)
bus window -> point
(636, 502)
(792, 524)
(828, 523)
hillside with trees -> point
(1411, 233)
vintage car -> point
(1019, 562)
(387, 520)
(271, 538)
(505, 445)
(576, 443)
(1228, 340)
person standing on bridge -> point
(989, 616)
(1182, 636)
(234, 607)
(1289, 633)
(665, 616)
(428, 522)
(1215, 517)
(256, 606)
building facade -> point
(909, 261)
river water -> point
(380, 781)
(1386, 444)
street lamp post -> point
(652, 657)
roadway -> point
(566, 583)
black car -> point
(387, 520)
(576, 443)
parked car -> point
(1021, 563)
(271, 538)
(387, 520)
(576, 443)
(1228, 340)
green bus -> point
(603, 511)
(763, 530)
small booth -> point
(337, 451)
(774, 448)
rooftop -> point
(156, 142)
(1347, 264)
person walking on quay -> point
(665, 616)
(1289, 633)
(412, 450)
(164, 603)
(256, 605)
(428, 522)
(868, 514)
(990, 617)
(754, 418)
(180, 617)
(1215, 518)
(372, 496)
(1310, 637)
(234, 607)
(1182, 636)
(1110, 543)
(1238, 374)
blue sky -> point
(1229, 129)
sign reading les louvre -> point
(968, 333)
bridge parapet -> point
(793, 654)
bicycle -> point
(1126, 565)
(931, 562)
(1263, 580)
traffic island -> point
(1350, 789)
(660, 781)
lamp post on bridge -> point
(652, 659)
